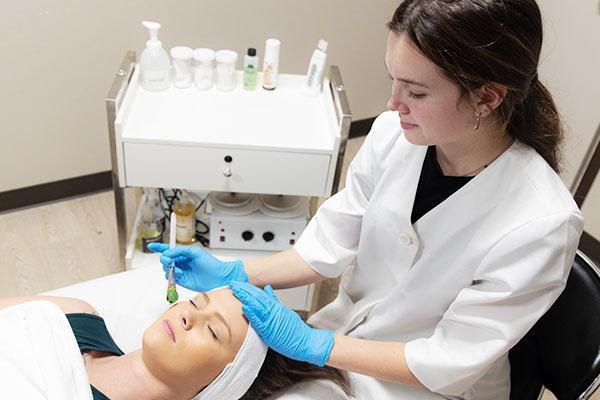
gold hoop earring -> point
(478, 121)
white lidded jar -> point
(226, 60)
(182, 66)
(204, 68)
(155, 63)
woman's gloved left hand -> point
(281, 328)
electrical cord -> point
(200, 235)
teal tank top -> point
(91, 334)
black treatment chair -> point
(562, 350)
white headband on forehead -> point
(237, 376)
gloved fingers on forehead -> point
(249, 290)
(255, 321)
(259, 303)
(269, 290)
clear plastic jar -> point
(203, 68)
(182, 66)
(226, 60)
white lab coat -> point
(463, 284)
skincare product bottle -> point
(154, 62)
(150, 227)
(314, 75)
(271, 64)
(185, 209)
(250, 69)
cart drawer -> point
(206, 169)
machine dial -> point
(247, 236)
(268, 236)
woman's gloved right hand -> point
(197, 269)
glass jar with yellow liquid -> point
(150, 227)
(185, 209)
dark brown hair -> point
(279, 373)
(474, 42)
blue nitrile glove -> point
(197, 269)
(281, 328)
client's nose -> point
(192, 317)
(187, 318)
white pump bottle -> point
(155, 63)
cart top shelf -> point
(283, 119)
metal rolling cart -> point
(267, 142)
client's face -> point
(194, 340)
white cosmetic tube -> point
(314, 75)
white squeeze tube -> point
(314, 75)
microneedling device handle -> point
(172, 295)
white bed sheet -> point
(131, 301)
(128, 301)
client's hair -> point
(279, 373)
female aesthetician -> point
(454, 233)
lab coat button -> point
(405, 239)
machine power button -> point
(268, 236)
(247, 236)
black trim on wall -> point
(360, 127)
(55, 190)
(590, 247)
(100, 181)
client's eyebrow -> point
(218, 315)
(222, 319)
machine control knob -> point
(247, 236)
(227, 172)
(268, 236)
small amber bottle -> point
(185, 209)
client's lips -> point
(406, 125)
(168, 329)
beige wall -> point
(59, 59)
(571, 67)
(591, 210)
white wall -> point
(59, 59)
(571, 68)
(591, 210)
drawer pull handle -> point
(227, 172)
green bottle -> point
(250, 69)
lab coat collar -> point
(476, 197)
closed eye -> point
(416, 95)
(213, 333)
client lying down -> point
(203, 347)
